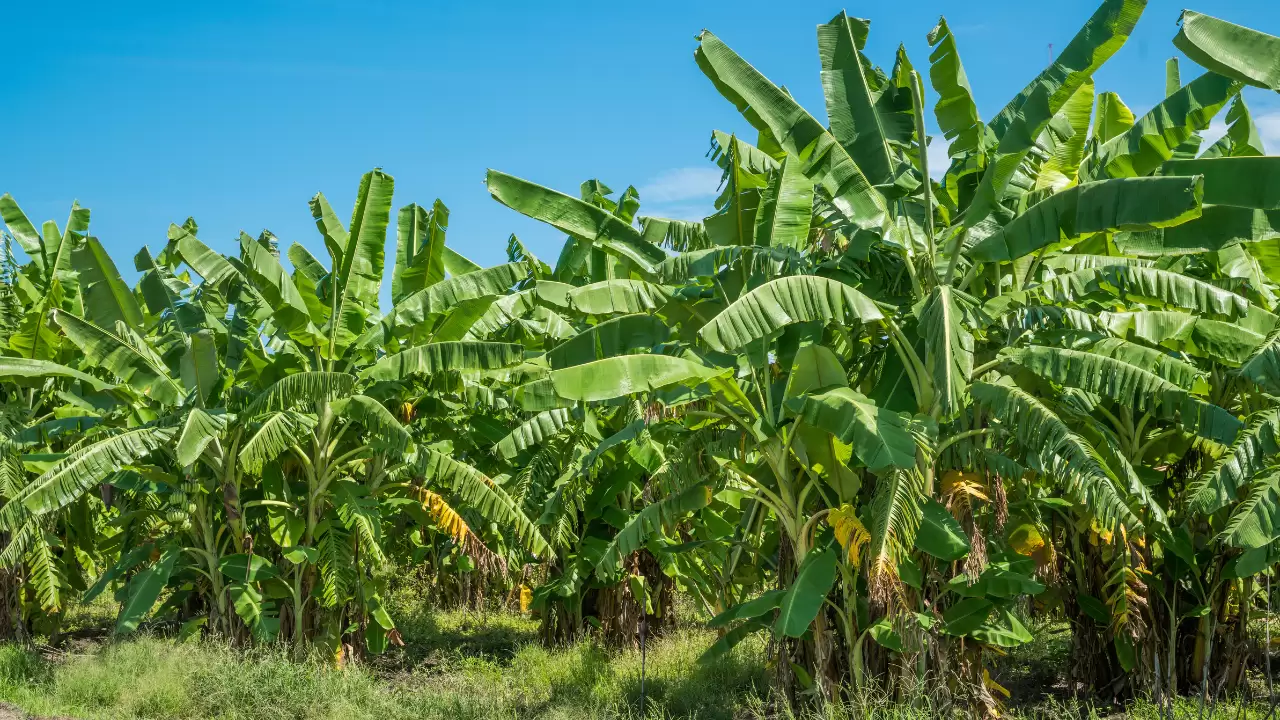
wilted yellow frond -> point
(850, 532)
(959, 484)
(992, 684)
(445, 516)
(526, 598)
(884, 583)
(1099, 535)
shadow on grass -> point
(444, 639)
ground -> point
(467, 665)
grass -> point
(467, 665)
(497, 673)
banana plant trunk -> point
(621, 612)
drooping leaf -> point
(337, 565)
(1242, 182)
(439, 357)
(198, 430)
(966, 615)
(1119, 204)
(1007, 631)
(443, 296)
(249, 604)
(611, 378)
(481, 494)
(940, 535)
(1223, 342)
(532, 432)
(305, 389)
(277, 432)
(22, 367)
(1251, 452)
(804, 598)
(814, 368)
(1151, 285)
(246, 568)
(729, 641)
(143, 591)
(650, 520)
(1177, 371)
(678, 235)
(776, 304)
(576, 217)
(616, 336)
(618, 296)
(1130, 385)
(1255, 520)
(1237, 52)
(1154, 137)
(766, 602)
(880, 437)
(382, 429)
(1069, 457)
(895, 521)
(43, 573)
(362, 516)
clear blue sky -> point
(236, 113)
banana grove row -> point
(876, 410)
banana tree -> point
(607, 464)
(1019, 188)
(244, 408)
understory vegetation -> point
(861, 438)
(482, 664)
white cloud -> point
(694, 212)
(1269, 129)
(682, 184)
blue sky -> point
(236, 113)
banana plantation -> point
(879, 413)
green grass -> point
(474, 666)
(509, 678)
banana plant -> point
(237, 409)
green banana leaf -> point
(814, 579)
(1107, 205)
(1238, 52)
(782, 302)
